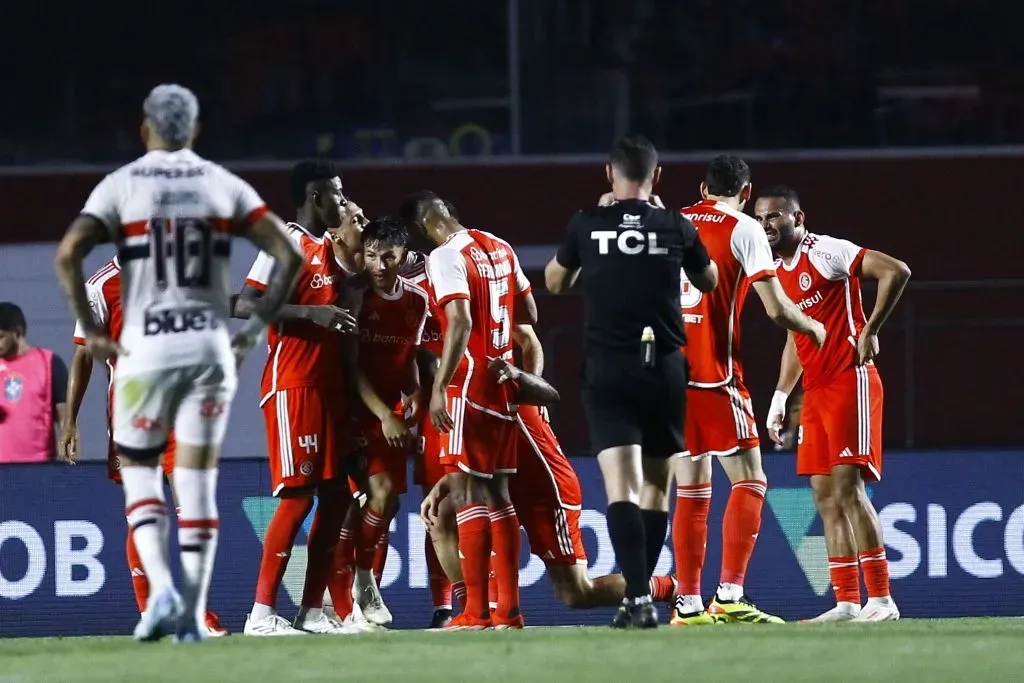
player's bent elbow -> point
(902, 271)
(705, 281)
(65, 255)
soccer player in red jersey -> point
(545, 492)
(481, 291)
(392, 314)
(840, 436)
(104, 292)
(719, 415)
(304, 398)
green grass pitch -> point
(959, 650)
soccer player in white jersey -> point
(171, 215)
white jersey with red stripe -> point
(172, 216)
(738, 244)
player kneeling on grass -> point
(546, 494)
(392, 312)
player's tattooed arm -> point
(82, 236)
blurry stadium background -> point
(901, 124)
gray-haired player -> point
(172, 215)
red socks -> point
(459, 591)
(662, 588)
(323, 539)
(875, 569)
(506, 541)
(690, 535)
(140, 584)
(475, 553)
(440, 585)
(277, 546)
(740, 527)
(845, 580)
(339, 581)
(380, 555)
(369, 534)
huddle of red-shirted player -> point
(428, 371)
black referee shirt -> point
(630, 255)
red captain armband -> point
(79, 341)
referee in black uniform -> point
(630, 252)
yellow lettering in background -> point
(381, 143)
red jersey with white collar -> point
(821, 280)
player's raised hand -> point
(867, 347)
(817, 334)
(67, 443)
(439, 414)
(102, 347)
(395, 431)
(333, 318)
(656, 200)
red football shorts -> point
(841, 424)
(381, 457)
(481, 443)
(546, 493)
(114, 466)
(719, 420)
(429, 468)
(305, 436)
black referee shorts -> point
(628, 404)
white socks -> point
(197, 534)
(146, 512)
(689, 604)
(729, 592)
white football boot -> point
(366, 595)
(270, 625)
(315, 621)
(843, 611)
(163, 612)
(879, 609)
